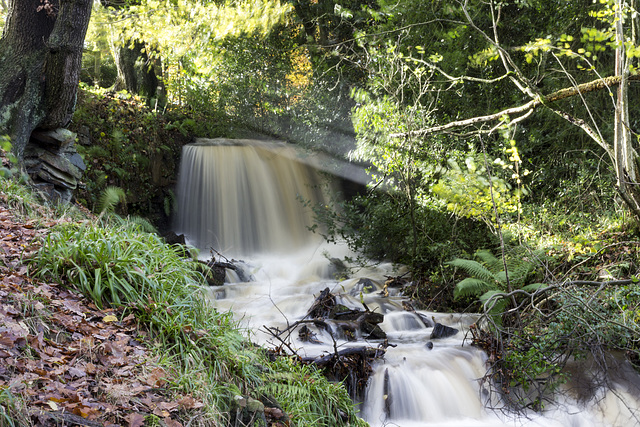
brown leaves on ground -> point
(72, 363)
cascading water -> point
(244, 200)
(227, 201)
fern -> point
(488, 259)
(169, 202)
(110, 199)
(474, 269)
(469, 287)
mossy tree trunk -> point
(40, 61)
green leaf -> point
(470, 287)
(474, 269)
(490, 260)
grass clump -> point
(12, 411)
(117, 263)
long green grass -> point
(12, 410)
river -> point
(243, 199)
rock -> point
(442, 331)
(254, 405)
(84, 135)
(217, 276)
(273, 411)
(337, 268)
(427, 322)
(375, 331)
(248, 411)
(429, 345)
(54, 165)
(364, 285)
(174, 239)
(243, 271)
(52, 139)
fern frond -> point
(493, 264)
(534, 287)
(143, 223)
(110, 199)
(470, 287)
(474, 269)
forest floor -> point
(63, 361)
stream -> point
(242, 199)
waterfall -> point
(244, 200)
(241, 199)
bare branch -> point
(592, 86)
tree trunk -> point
(40, 61)
(625, 155)
(136, 72)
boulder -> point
(442, 331)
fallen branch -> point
(366, 352)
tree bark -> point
(136, 72)
(625, 155)
(40, 59)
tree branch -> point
(592, 86)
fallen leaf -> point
(189, 402)
(172, 423)
(168, 406)
(135, 419)
(109, 318)
(77, 373)
(156, 378)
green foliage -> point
(532, 369)
(378, 227)
(5, 151)
(471, 192)
(305, 392)
(113, 265)
(110, 199)
(490, 274)
(489, 280)
(129, 147)
(185, 36)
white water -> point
(424, 387)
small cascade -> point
(243, 200)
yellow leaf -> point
(110, 318)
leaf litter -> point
(70, 362)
